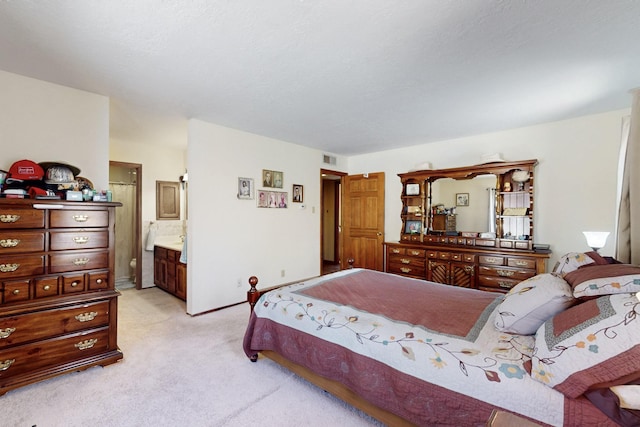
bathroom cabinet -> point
(169, 274)
(58, 302)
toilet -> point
(132, 264)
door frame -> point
(338, 222)
(138, 219)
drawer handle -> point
(416, 253)
(6, 364)
(86, 344)
(74, 284)
(80, 218)
(405, 261)
(505, 273)
(99, 281)
(80, 239)
(8, 268)
(46, 288)
(395, 251)
(405, 270)
(16, 291)
(522, 263)
(493, 260)
(469, 269)
(505, 285)
(4, 333)
(9, 243)
(86, 317)
(81, 261)
(9, 218)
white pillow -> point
(531, 302)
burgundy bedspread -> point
(434, 359)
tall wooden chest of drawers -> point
(58, 303)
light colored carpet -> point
(177, 370)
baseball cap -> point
(25, 170)
(59, 173)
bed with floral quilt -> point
(431, 354)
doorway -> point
(125, 185)
(330, 220)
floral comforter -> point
(424, 351)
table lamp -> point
(596, 239)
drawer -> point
(491, 260)
(73, 284)
(497, 283)
(30, 327)
(78, 218)
(444, 255)
(61, 241)
(407, 260)
(485, 242)
(468, 258)
(45, 287)
(432, 254)
(395, 250)
(160, 253)
(52, 352)
(508, 273)
(21, 265)
(98, 281)
(415, 252)
(15, 291)
(75, 261)
(21, 241)
(408, 270)
(522, 263)
(21, 218)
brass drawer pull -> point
(81, 261)
(405, 270)
(99, 281)
(86, 317)
(505, 285)
(405, 261)
(469, 269)
(9, 243)
(9, 218)
(415, 253)
(6, 364)
(489, 260)
(505, 273)
(395, 251)
(80, 239)
(74, 284)
(8, 268)
(522, 263)
(46, 288)
(80, 218)
(4, 333)
(16, 291)
(86, 344)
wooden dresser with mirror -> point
(469, 226)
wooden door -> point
(363, 221)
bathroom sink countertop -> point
(169, 242)
(176, 246)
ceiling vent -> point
(328, 160)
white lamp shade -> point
(596, 239)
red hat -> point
(25, 170)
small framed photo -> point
(277, 179)
(413, 227)
(267, 178)
(272, 199)
(412, 190)
(245, 188)
(263, 199)
(298, 195)
(462, 199)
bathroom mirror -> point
(167, 200)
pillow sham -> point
(592, 343)
(531, 302)
(596, 280)
(574, 260)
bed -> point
(410, 352)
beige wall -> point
(42, 122)
(575, 180)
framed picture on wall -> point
(245, 188)
(298, 196)
(462, 199)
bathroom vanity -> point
(169, 274)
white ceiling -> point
(344, 76)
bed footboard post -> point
(252, 294)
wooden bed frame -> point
(335, 388)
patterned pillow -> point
(531, 302)
(596, 280)
(574, 260)
(593, 343)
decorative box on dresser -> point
(495, 259)
(58, 303)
